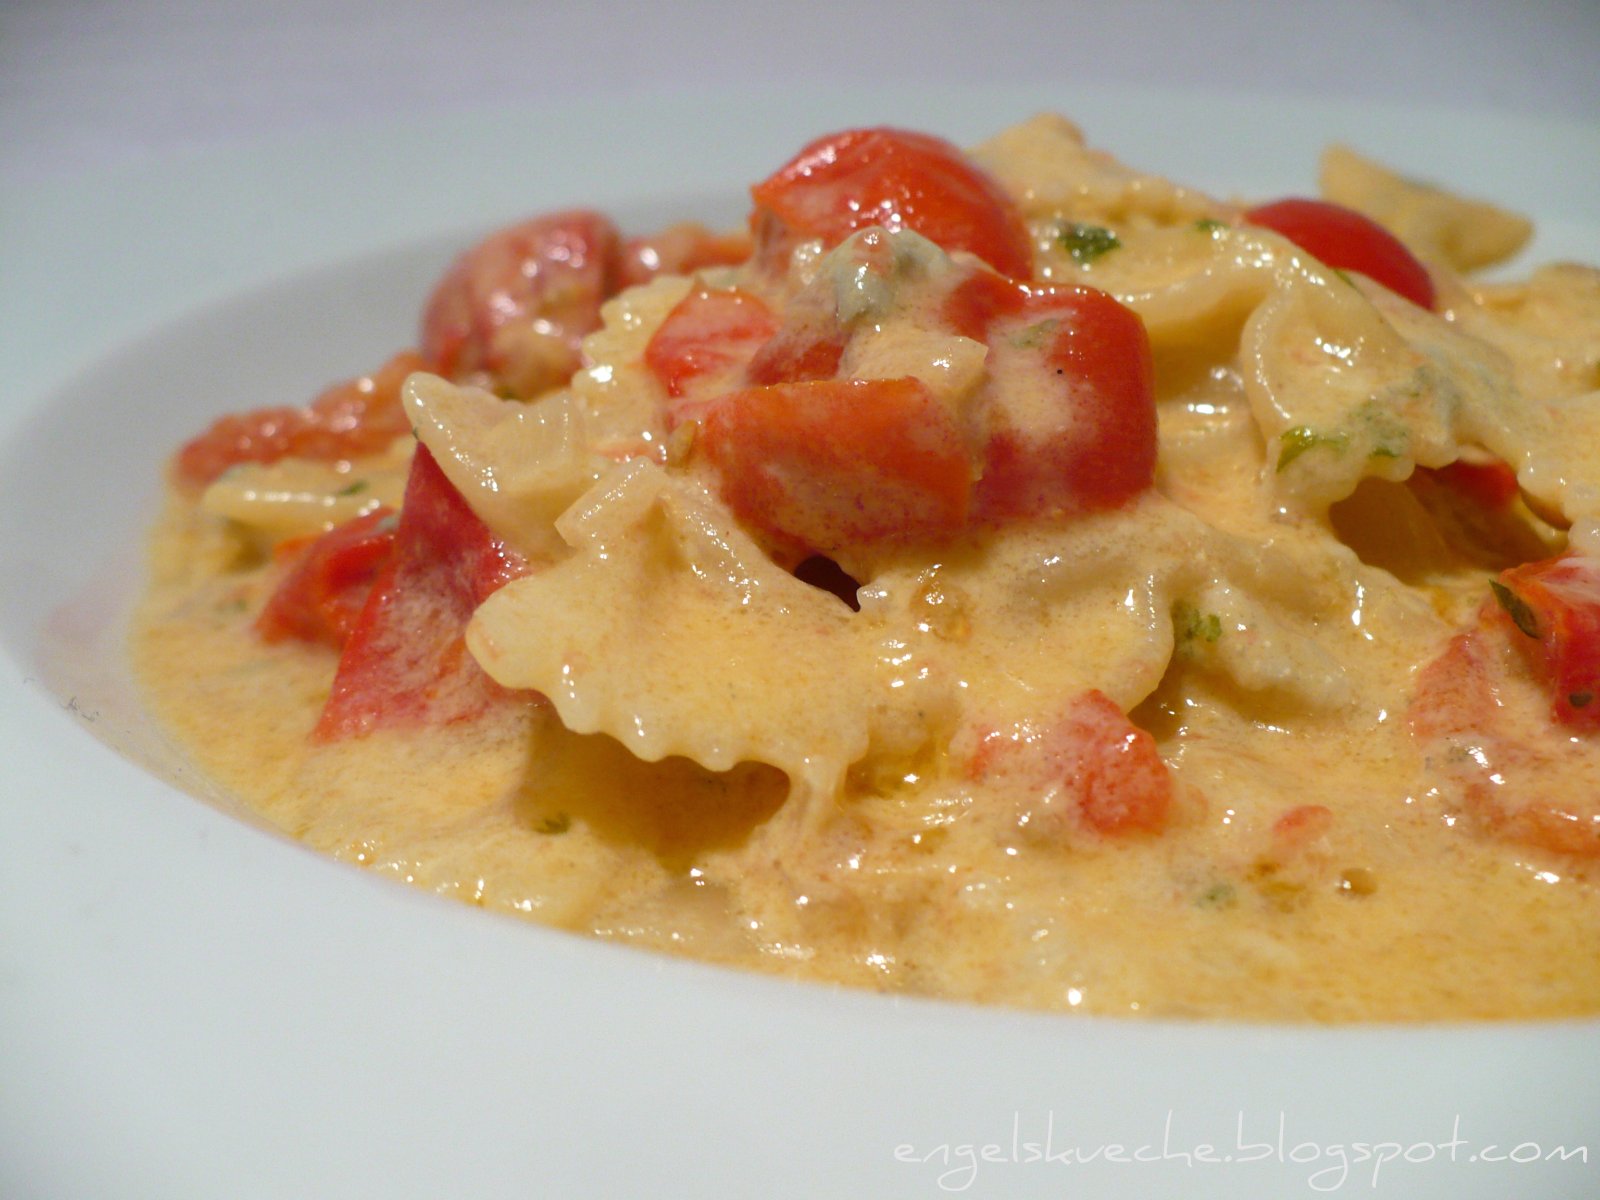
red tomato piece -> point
(708, 335)
(827, 465)
(1106, 767)
(1298, 827)
(1113, 768)
(328, 581)
(1556, 603)
(799, 353)
(406, 663)
(1348, 241)
(900, 180)
(513, 309)
(1498, 762)
(978, 300)
(1069, 411)
(1491, 485)
(680, 249)
(359, 416)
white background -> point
(85, 83)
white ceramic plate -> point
(192, 1006)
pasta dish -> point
(1004, 575)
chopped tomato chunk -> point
(1113, 768)
(799, 352)
(1064, 423)
(328, 581)
(1348, 241)
(1298, 827)
(1496, 758)
(1106, 767)
(359, 416)
(709, 334)
(1491, 485)
(1069, 411)
(1556, 604)
(830, 464)
(894, 178)
(512, 310)
(406, 661)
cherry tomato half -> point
(897, 179)
(1348, 241)
(515, 307)
(359, 416)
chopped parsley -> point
(1218, 895)
(1087, 242)
(1516, 608)
(1035, 335)
(1196, 626)
(1295, 442)
(1210, 226)
(353, 489)
(557, 823)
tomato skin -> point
(1085, 440)
(847, 181)
(1348, 241)
(1490, 485)
(828, 465)
(1107, 768)
(1556, 606)
(974, 304)
(359, 416)
(799, 353)
(406, 663)
(512, 310)
(326, 586)
(708, 334)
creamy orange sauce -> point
(735, 767)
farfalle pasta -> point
(1001, 575)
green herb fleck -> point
(558, 823)
(1196, 626)
(1087, 242)
(353, 489)
(1295, 442)
(1516, 607)
(1344, 275)
(1218, 895)
(1210, 225)
(1035, 335)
